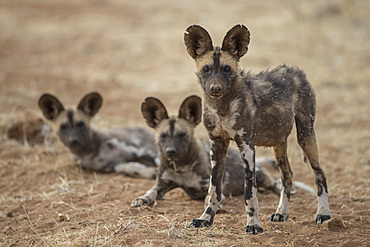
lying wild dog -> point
(128, 150)
(184, 159)
(253, 110)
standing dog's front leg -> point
(247, 152)
(218, 151)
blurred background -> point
(129, 50)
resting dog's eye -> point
(227, 68)
(163, 135)
(63, 126)
(181, 134)
(205, 68)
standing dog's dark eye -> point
(227, 68)
(205, 68)
(163, 135)
(80, 124)
(181, 134)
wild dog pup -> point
(128, 150)
(184, 159)
(253, 110)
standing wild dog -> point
(184, 159)
(128, 150)
(253, 110)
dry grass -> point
(130, 50)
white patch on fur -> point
(323, 205)
(240, 132)
(227, 123)
(247, 154)
(283, 207)
(253, 203)
(212, 202)
(136, 169)
(112, 147)
(157, 161)
(232, 117)
(152, 194)
(136, 140)
(213, 163)
(234, 106)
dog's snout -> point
(171, 151)
(74, 142)
(216, 89)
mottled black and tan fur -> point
(127, 150)
(184, 159)
(253, 109)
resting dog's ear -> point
(236, 41)
(90, 104)
(50, 106)
(153, 111)
(197, 41)
(191, 110)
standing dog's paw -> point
(254, 229)
(140, 201)
(198, 223)
(321, 218)
(277, 218)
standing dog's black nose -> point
(171, 151)
(216, 89)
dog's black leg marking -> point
(282, 212)
(218, 157)
(321, 218)
(254, 229)
(276, 217)
(197, 223)
(247, 152)
(307, 141)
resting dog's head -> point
(174, 135)
(72, 125)
(216, 67)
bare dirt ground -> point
(128, 50)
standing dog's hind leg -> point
(282, 212)
(309, 147)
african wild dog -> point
(184, 159)
(128, 150)
(253, 110)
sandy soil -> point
(128, 50)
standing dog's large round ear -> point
(197, 41)
(90, 103)
(236, 41)
(50, 106)
(153, 111)
(191, 110)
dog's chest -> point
(224, 124)
(188, 179)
